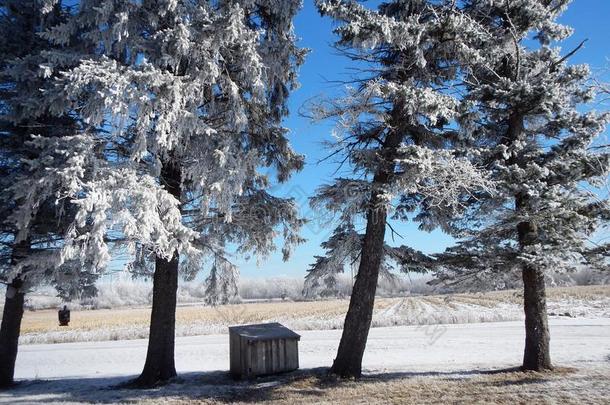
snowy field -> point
(438, 348)
(400, 362)
(195, 319)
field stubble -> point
(132, 323)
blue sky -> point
(589, 18)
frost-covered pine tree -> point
(189, 95)
(532, 109)
(343, 249)
(396, 133)
(221, 284)
(30, 238)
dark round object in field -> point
(64, 316)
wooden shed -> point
(261, 349)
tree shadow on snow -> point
(111, 390)
(216, 385)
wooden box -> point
(262, 349)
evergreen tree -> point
(343, 250)
(30, 238)
(189, 96)
(533, 113)
(221, 284)
(397, 135)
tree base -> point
(539, 369)
(347, 371)
(537, 353)
(8, 386)
(143, 382)
(9, 332)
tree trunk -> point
(537, 354)
(11, 319)
(348, 362)
(160, 366)
(9, 331)
(537, 336)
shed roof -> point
(264, 331)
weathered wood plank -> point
(235, 354)
(292, 354)
(282, 353)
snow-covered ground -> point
(78, 371)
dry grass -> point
(40, 322)
(564, 386)
(553, 294)
(46, 320)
